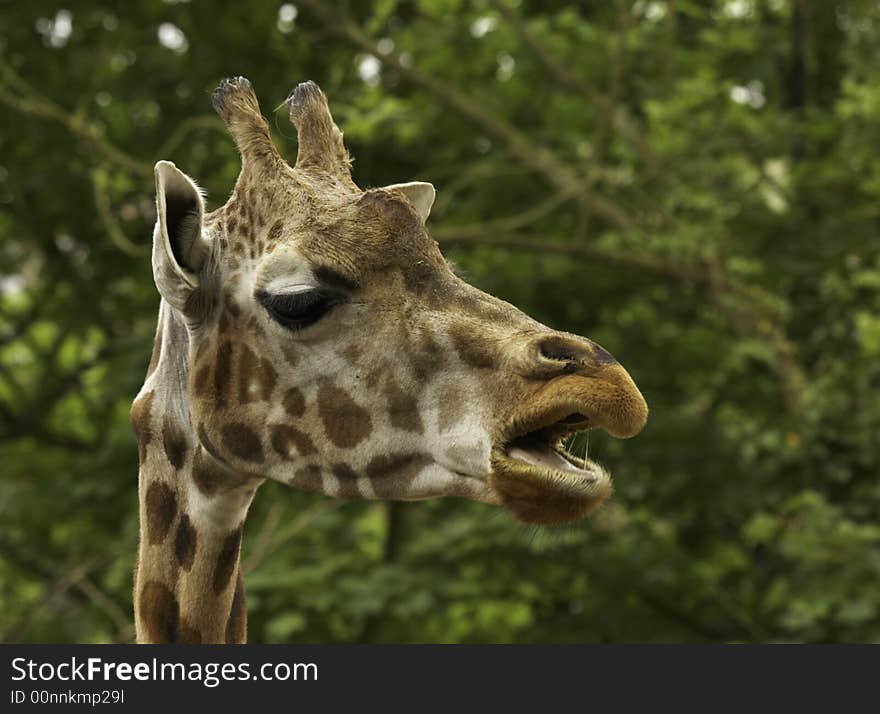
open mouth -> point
(539, 480)
(534, 475)
(545, 447)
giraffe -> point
(311, 332)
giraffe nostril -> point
(573, 352)
(561, 349)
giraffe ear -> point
(179, 251)
(420, 195)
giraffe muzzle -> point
(536, 478)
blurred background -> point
(694, 184)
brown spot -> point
(202, 351)
(347, 481)
(224, 324)
(242, 441)
(375, 376)
(290, 355)
(236, 625)
(255, 327)
(344, 472)
(208, 445)
(206, 473)
(199, 302)
(188, 634)
(231, 304)
(231, 225)
(227, 560)
(159, 613)
(472, 348)
(266, 378)
(174, 442)
(391, 474)
(201, 379)
(185, 543)
(284, 436)
(420, 278)
(210, 476)
(247, 366)
(275, 231)
(161, 504)
(403, 408)
(140, 422)
(426, 357)
(222, 371)
(345, 422)
(333, 278)
(351, 354)
(294, 402)
(309, 478)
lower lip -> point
(589, 487)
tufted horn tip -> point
(303, 97)
(231, 92)
(321, 147)
(236, 103)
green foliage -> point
(718, 232)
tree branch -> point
(265, 546)
(603, 133)
(70, 578)
(31, 102)
(646, 263)
(105, 213)
(185, 127)
(562, 75)
(503, 225)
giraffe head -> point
(332, 348)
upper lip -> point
(573, 403)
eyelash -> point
(296, 311)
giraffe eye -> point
(301, 309)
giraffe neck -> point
(188, 581)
